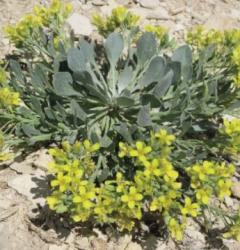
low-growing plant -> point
(109, 101)
(41, 31)
(147, 184)
(120, 20)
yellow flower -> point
(141, 151)
(203, 195)
(190, 208)
(62, 181)
(52, 202)
(167, 170)
(3, 75)
(234, 231)
(159, 31)
(175, 229)
(123, 150)
(236, 80)
(85, 196)
(132, 197)
(164, 138)
(91, 147)
(236, 56)
(152, 168)
(224, 187)
(8, 98)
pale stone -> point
(159, 14)
(236, 189)
(80, 25)
(43, 159)
(28, 186)
(149, 4)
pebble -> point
(149, 4)
(80, 25)
(236, 189)
(158, 14)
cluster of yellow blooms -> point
(119, 19)
(160, 32)
(42, 17)
(228, 40)
(155, 186)
(8, 98)
(4, 154)
(234, 231)
(231, 129)
(209, 178)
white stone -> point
(149, 4)
(236, 189)
(42, 159)
(80, 25)
(159, 14)
(98, 2)
(28, 186)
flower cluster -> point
(234, 231)
(42, 17)
(210, 178)
(3, 76)
(120, 19)
(154, 187)
(231, 131)
(4, 151)
(160, 32)
(226, 42)
(8, 98)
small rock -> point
(31, 186)
(56, 247)
(43, 159)
(80, 25)
(98, 2)
(159, 14)
(22, 167)
(149, 4)
(236, 189)
(177, 11)
(133, 246)
(231, 244)
(228, 201)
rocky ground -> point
(25, 222)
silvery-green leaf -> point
(146, 47)
(62, 84)
(155, 71)
(76, 59)
(114, 46)
(144, 118)
(184, 55)
(163, 85)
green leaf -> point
(114, 46)
(155, 72)
(78, 111)
(88, 51)
(151, 100)
(144, 118)
(124, 132)
(163, 85)
(146, 47)
(62, 83)
(76, 60)
(124, 78)
(184, 55)
(125, 101)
